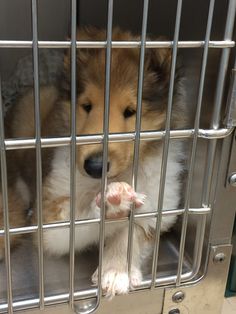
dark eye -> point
(87, 107)
(129, 112)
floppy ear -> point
(82, 56)
(158, 61)
(88, 33)
(82, 60)
(157, 73)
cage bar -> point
(38, 150)
(137, 130)
(86, 294)
(105, 138)
(66, 224)
(208, 134)
(221, 44)
(194, 144)
(5, 206)
(105, 149)
(229, 28)
(73, 153)
(166, 143)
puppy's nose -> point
(93, 166)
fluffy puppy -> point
(55, 115)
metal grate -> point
(212, 135)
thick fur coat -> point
(55, 121)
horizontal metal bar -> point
(119, 137)
(116, 44)
(66, 224)
(88, 293)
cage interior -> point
(127, 15)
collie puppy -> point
(55, 120)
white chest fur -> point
(58, 185)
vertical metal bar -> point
(73, 152)
(199, 241)
(194, 143)
(229, 28)
(105, 144)
(166, 143)
(38, 150)
(137, 128)
(5, 206)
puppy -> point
(55, 121)
(18, 201)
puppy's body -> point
(149, 173)
(55, 113)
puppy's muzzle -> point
(93, 166)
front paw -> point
(115, 281)
(119, 198)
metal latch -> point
(230, 118)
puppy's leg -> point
(17, 216)
(115, 277)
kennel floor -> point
(56, 270)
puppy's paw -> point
(113, 282)
(119, 198)
(135, 277)
(117, 282)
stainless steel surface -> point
(105, 152)
(57, 275)
(225, 196)
(68, 280)
(122, 137)
(219, 258)
(116, 44)
(166, 144)
(232, 179)
(169, 212)
(73, 150)
(178, 296)
(194, 143)
(229, 28)
(207, 295)
(230, 119)
(137, 129)
(38, 151)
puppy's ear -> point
(88, 33)
(158, 61)
(156, 74)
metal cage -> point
(193, 260)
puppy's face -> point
(123, 100)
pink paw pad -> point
(119, 198)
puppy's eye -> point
(129, 112)
(87, 107)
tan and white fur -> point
(55, 115)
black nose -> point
(93, 166)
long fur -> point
(55, 114)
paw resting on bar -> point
(119, 198)
(115, 281)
